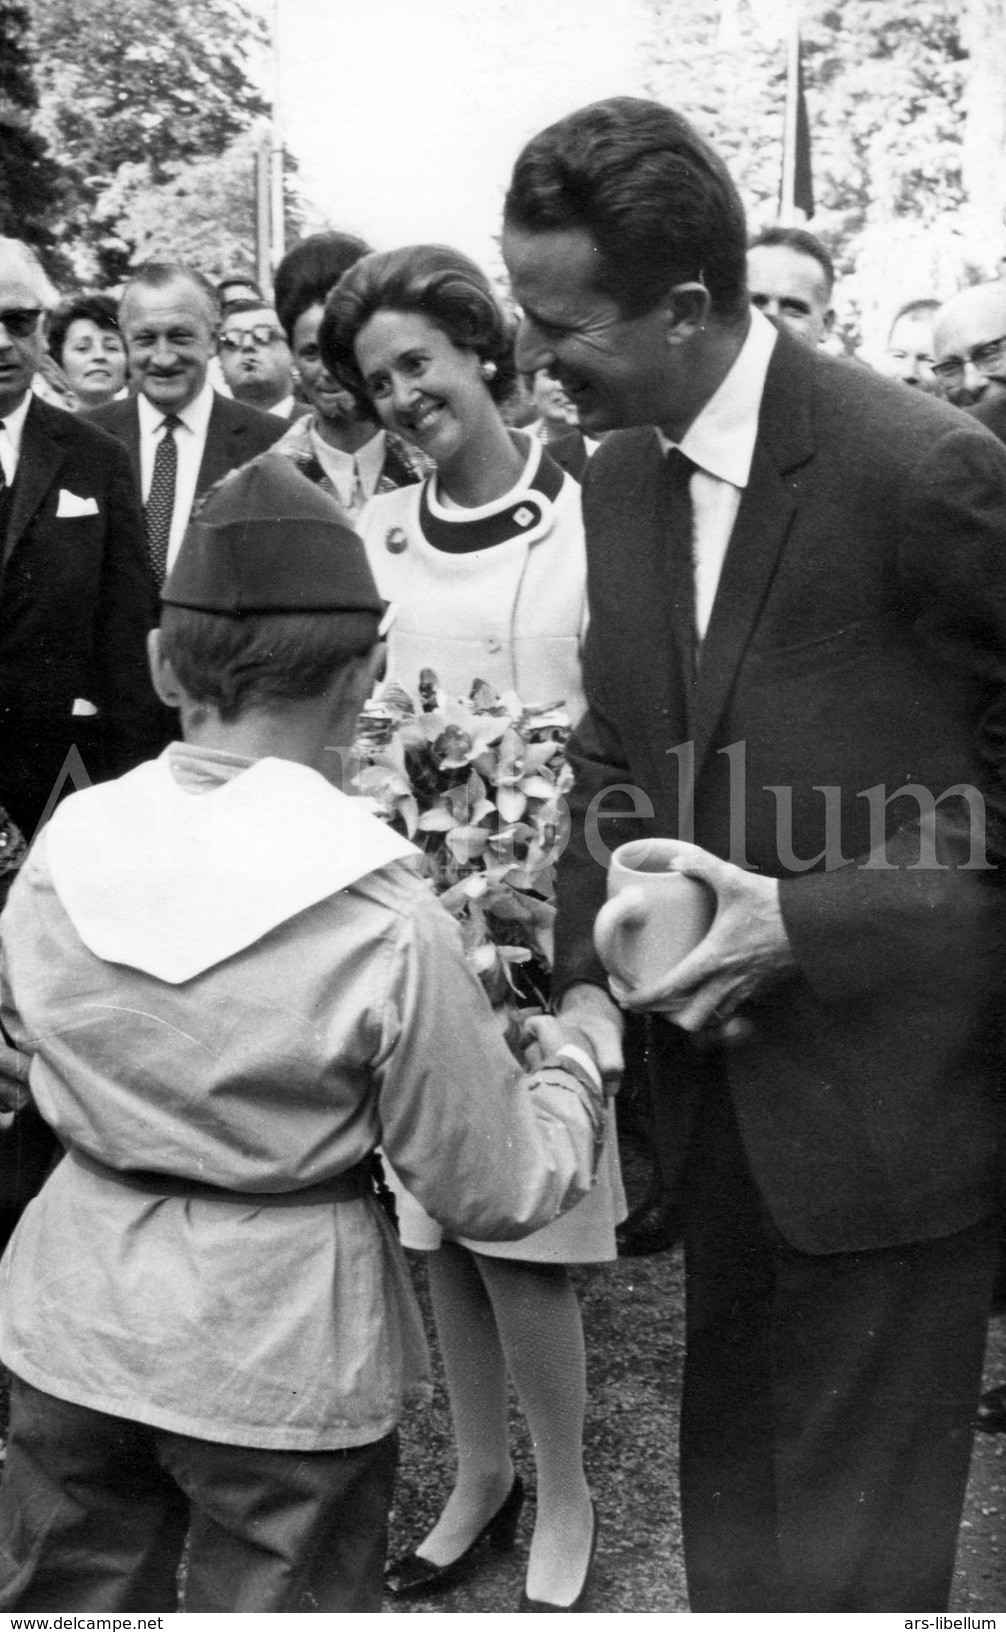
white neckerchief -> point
(172, 882)
(721, 441)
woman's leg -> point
(538, 1319)
(477, 1391)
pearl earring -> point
(488, 371)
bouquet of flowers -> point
(480, 787)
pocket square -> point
(71, 504)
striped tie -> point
(161, 499)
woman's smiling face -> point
(330, 400)
(421, 384)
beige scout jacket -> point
(280, 1041)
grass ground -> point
(633, 1313)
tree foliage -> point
(29, 180)
(122, 82)
(202, 212)
(907, 106)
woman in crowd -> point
(341, 447)
(84, 339)
(485, 564)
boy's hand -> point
(541, 1037)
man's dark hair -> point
(440, 284)
(654, 197)
(236, 280)
(310, 270)
(801, 242)
(235, 664)
(102, 310)
(159, 274)
(928, 306)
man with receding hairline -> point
(969, 346)
(796, 669)
(170, 320)
(790, 278)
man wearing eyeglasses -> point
(969, 346)
(256, 361)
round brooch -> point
(395, 540)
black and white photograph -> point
(502, 808)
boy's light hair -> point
(236, 664)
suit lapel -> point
(42, 454)
(130, 434)
(225, 446)
(764, 519)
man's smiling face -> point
(615, 370)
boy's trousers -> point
(95, 1512)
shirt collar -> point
(195, 416)
(721, 438)
(13, 423)
(367, 462)
(370, 462)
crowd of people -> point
(769, 586)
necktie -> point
(161, 498)
(359, 497)
(678, 470)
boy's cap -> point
(268, 540)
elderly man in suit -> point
(75, 599)
(76, 602)
(182, 436)
(797, 660)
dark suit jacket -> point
(857, 642)
(992, 413)
(235, 434)
(570, 451)
(75, 607)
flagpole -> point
(277, 244)
(787, 204)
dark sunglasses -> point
(21, 321)
(261, 335)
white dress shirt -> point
(720, 441)
(11, 431)
(353, 475)
(190, 440)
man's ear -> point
(163, 678)
(687, 308)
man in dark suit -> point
(796, 659)
(182, 436)
(76, 602)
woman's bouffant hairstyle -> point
(259, 661)
(654, 197)
(309, 271)
(101, 310)
(440, 284)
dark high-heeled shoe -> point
(541, 1606)
(414, 1577)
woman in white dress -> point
(485, 564)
